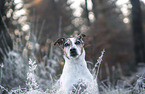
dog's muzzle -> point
(73, 52)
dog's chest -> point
(74, 73)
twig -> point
(98, 64)
(6, 27)
(59, 28)
(1, 78)
(41, 29)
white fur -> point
(75, 69)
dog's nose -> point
(72, 49)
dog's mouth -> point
(73, 52)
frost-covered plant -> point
(15, 62)
(121, 87)
(97, 65)
(14, 66)
(32, 86)
(139, 87)
(31, 81)
(48, 68)
(14, 70)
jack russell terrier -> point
(76, 77)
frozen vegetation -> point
(22, 72)
(19, 76)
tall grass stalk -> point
(97, 65)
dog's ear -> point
(60, 41)
(81, 36)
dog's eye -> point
(77, 42)
(66, 44)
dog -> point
(75, 73)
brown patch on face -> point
(60, 41)
(79, 42)
(81, 36)
(67, 43)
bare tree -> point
(94, 8)
(138, 31)
(2, 2)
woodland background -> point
(28, 29)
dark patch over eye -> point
(66, 44)
(77, 42)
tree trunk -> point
(2, 2)
(87, 12)
(1, 27)
(94, 8)
(137, 28)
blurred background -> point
(28, 29)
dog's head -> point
(72, 47)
